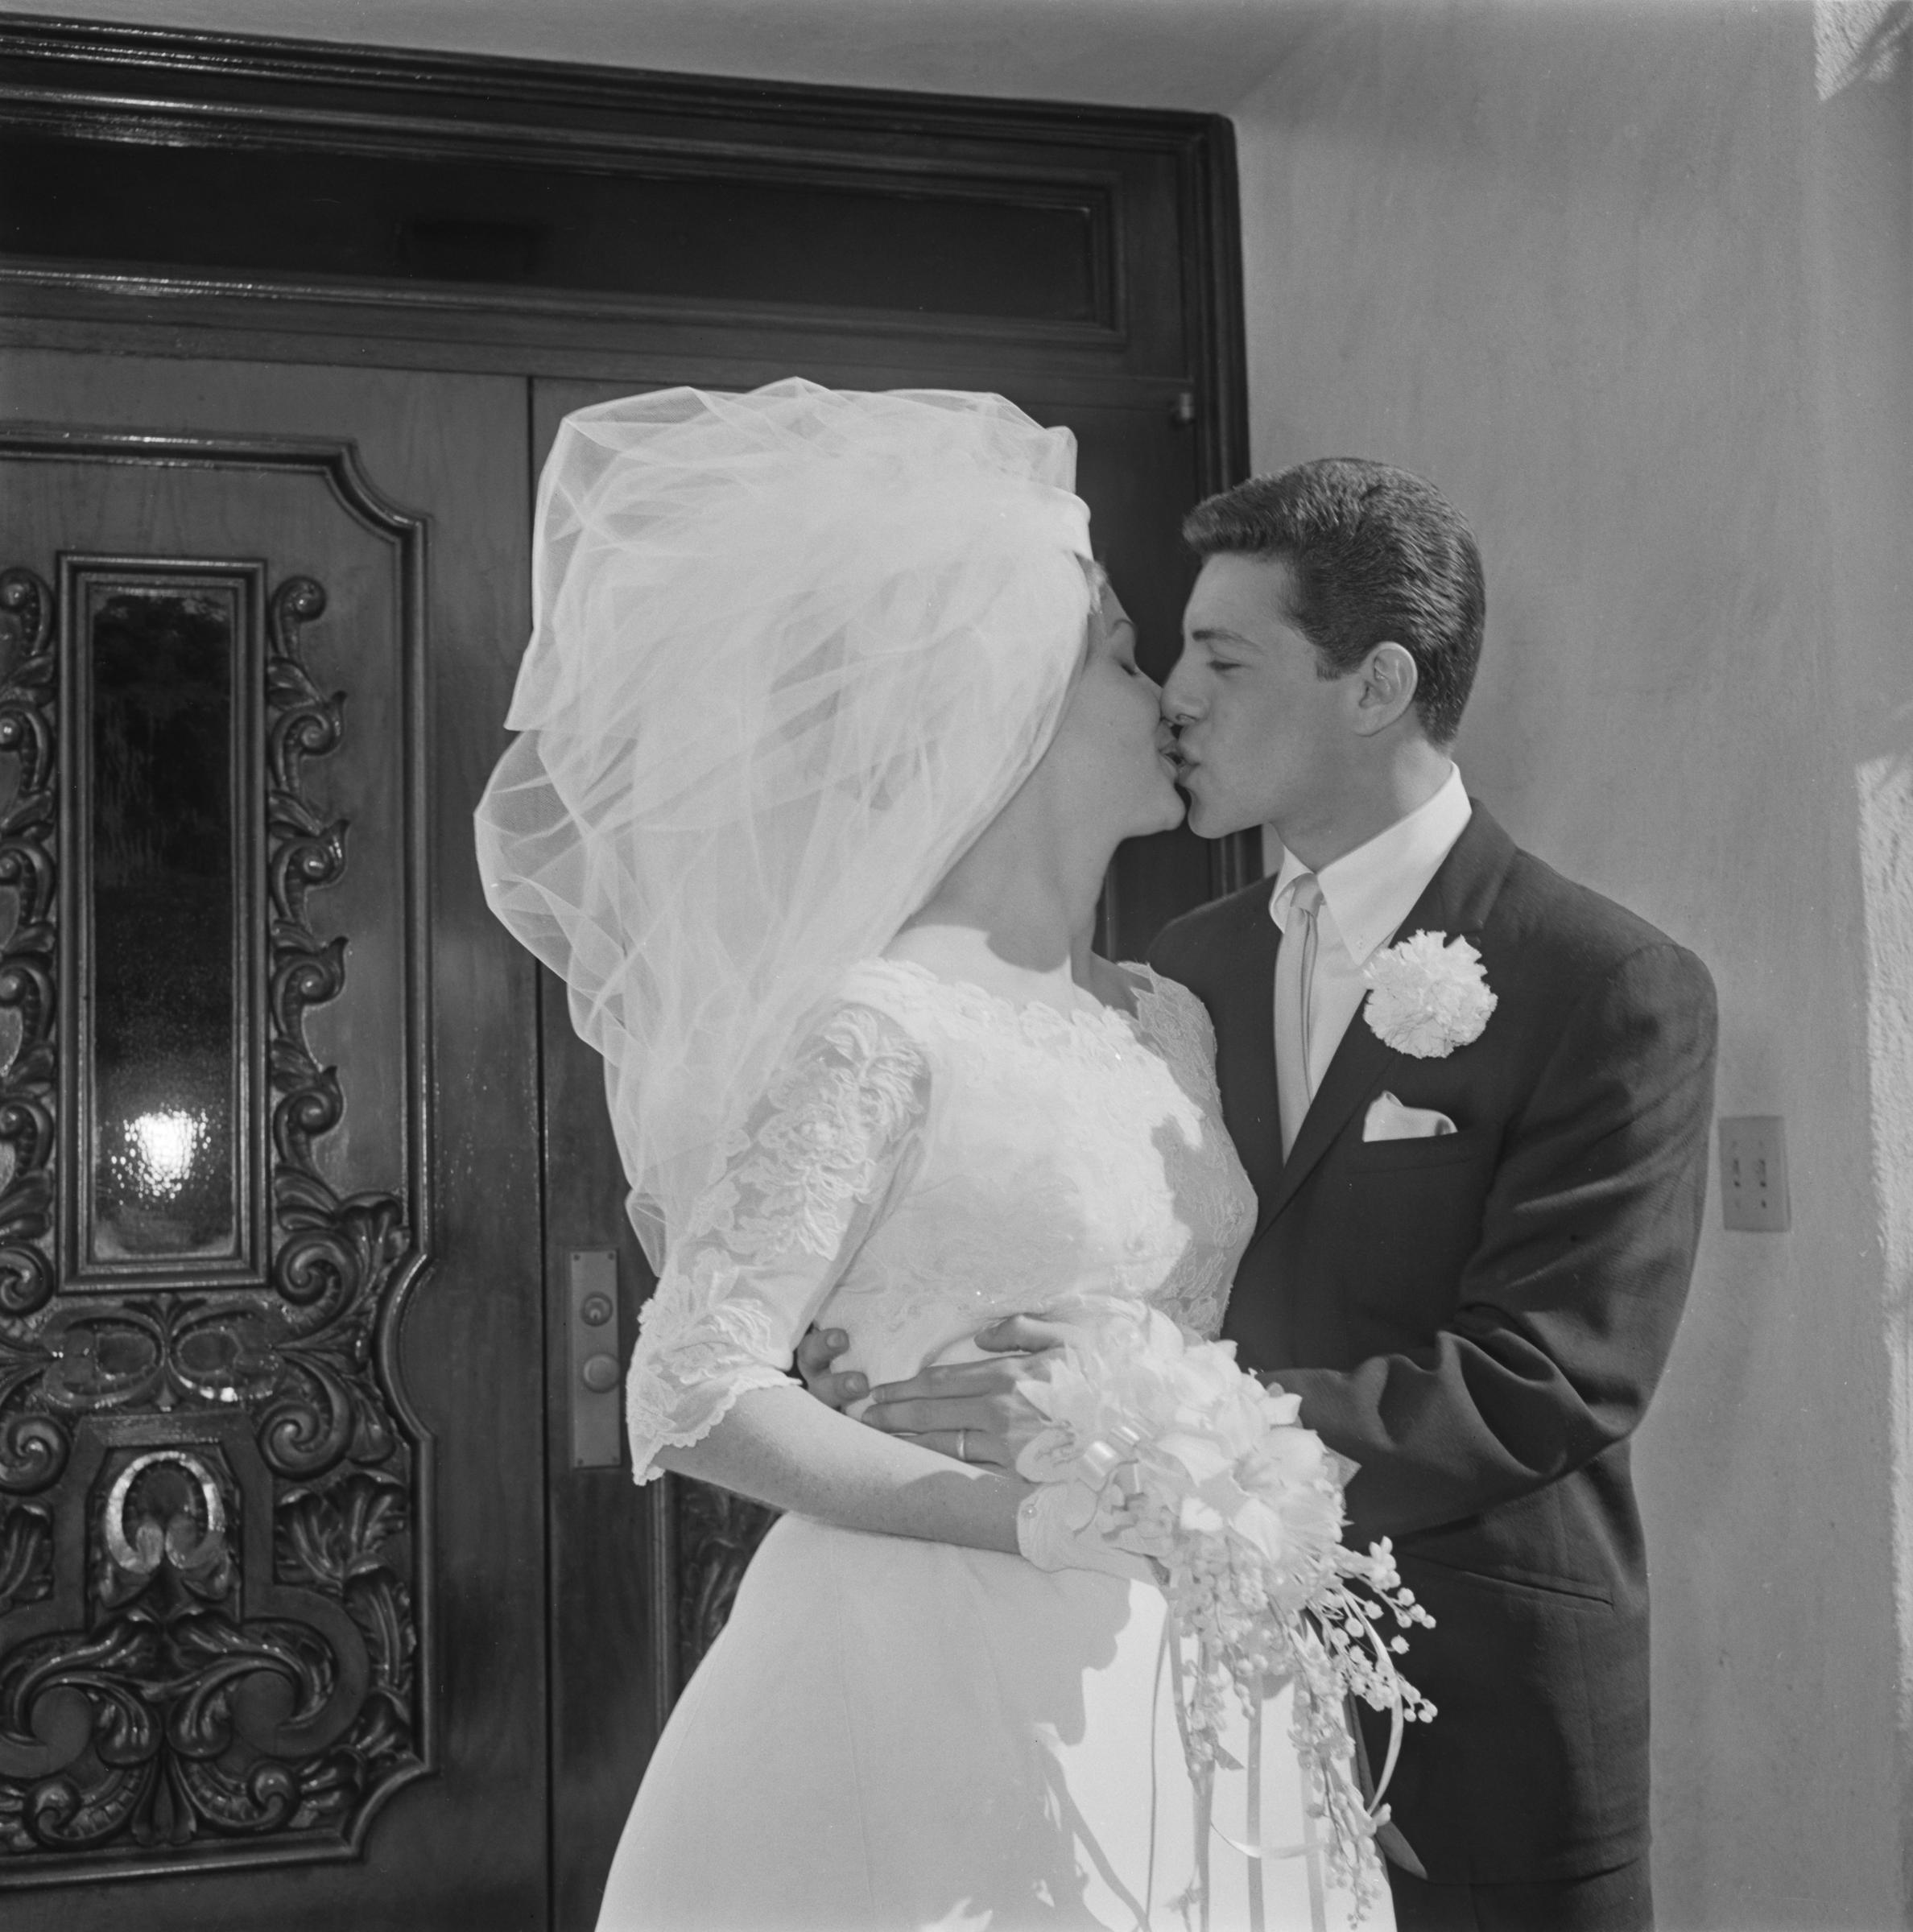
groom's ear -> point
(1384, 685)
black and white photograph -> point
(957, 965)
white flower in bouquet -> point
(1173, 1452)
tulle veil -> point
(792, 650)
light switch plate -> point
(1753, 1175)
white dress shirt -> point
(1366, 893)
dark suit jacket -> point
(1479, 1320)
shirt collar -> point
(1369, 891)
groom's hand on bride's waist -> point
(819, 1347)
(973, 1412)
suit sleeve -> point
(1568, 1307)
(1175, 951)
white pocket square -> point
(1388, 1120)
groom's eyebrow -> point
(1210, 633)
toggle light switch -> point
(1753, 1175)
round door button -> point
(600, 1374)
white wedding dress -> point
(893, 1734)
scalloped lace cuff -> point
(662, 1415)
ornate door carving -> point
(215, 1541)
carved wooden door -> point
(317, 1544)
(272, 1548)
(325, 1599)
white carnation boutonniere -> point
(1428, 997)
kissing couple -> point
(830, 729)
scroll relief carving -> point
(210, 1499)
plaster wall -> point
(1625, 288)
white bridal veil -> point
(792, 651)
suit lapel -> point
(1457, 900)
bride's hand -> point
(974, 1412)
(1046, 1537)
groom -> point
(1475, 1232)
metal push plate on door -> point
(594, 1373)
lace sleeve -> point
(807, 1175)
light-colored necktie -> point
(1295, 974)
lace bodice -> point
(933, 1157)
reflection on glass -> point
(164, 1017)
(157, 1160)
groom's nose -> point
(1178, 698)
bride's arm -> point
(783, 1447)
(709, 1393)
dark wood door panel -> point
(611, 1582)
(1003, 252)
(614, 1585)
(432, 1035)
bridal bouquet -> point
(1170, 1451)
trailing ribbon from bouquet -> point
(1171, 1451)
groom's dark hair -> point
(1374, 554)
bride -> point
(829, 730)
